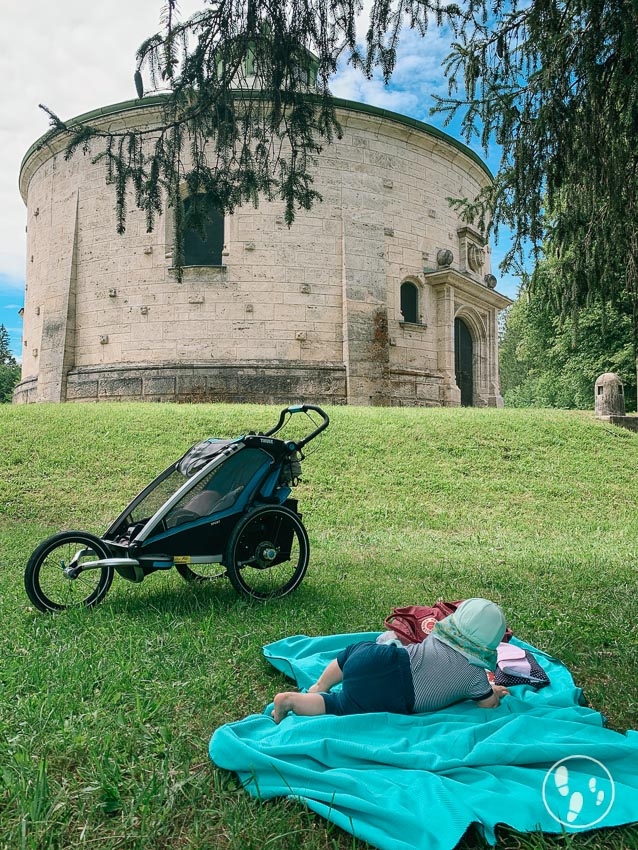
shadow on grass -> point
(197, 602)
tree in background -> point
(548, 360)
(552, 349)
(9, 369)
(554, 82)
(248, 99)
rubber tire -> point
(37, 559)
(190, 575)
(235, 572)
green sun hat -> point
(475, 629)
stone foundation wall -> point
(267, 383)
(26, 391)
(410, 388)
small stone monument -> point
(609, 396)
(610, 402)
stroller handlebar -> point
(301, 408)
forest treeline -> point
(551, 360)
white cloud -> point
(11, 282)
(417, 76)
(74, 57)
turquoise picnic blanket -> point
(541, 761)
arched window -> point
(410, 302)
(207, 251)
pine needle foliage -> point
(6, 357)
(555, 83)
(9, 369)
(248, 107)
(248, 111)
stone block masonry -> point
(307, 313)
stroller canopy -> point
(200, 454)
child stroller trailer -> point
(223, 509)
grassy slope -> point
(105, 715)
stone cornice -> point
(465, 284)
(52, 143)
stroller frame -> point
(224, 509)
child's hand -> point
(493, 701)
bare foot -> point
(305, 705)
(283, 704)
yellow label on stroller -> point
(182, 559)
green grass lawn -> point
(105, 715)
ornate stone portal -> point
(313, 312)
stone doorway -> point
(464, 362)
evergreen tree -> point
(9, 370)
(6, 358)
(554, 82)
(248, 98)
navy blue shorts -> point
(376, 677)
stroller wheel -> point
(47, 584)
(267, 553)
(204, 572)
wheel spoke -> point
(249, 562)
(47, 585)
(269, 553)
(85, 581)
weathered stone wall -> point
(311, 312)
(262, 382)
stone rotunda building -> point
(378, 295)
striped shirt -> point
(442, 676)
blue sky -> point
(84, 58)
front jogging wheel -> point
(268, 553)
(52, 580)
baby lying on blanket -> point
(449, 666)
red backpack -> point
(413, 623)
